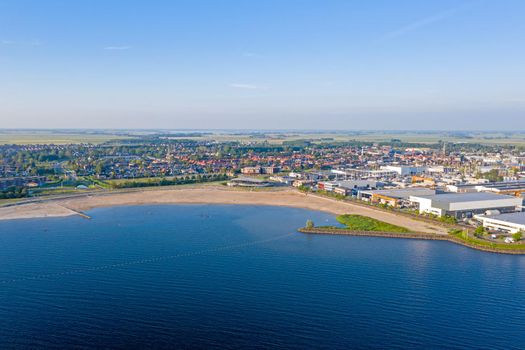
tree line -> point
(171, 182)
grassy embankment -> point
(354, 222)
(364, 223)
(364, 226)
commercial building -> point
(504, 187)
(423, 180)
(270, 170)
(349, 184)
(305, 176)
(287, 180)
(251, 170)
(257, 170)
(364, 173)
(463, 188)
(303, 182)
(343, 191)
(509, 222)
(466, 205)
(440, 169)
(348, 187)
(394, 197)
(404, 170)
(248, 182)
(515, 188)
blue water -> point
(219, 276)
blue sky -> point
(323, 64)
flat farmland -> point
(487, 138)
(57, 138)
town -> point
(475, 185)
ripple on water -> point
(232, 277)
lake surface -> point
(222, 276)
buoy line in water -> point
(144, 261)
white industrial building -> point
(504, 187)
(509, 222)
(440, 169)
(464, 205)
(394, 197)
(465, 187)
(364, 173)
(349, 184)
(404, 170)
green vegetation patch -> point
(171, 181)
(365, 223)
(14, 192)
(465, 237)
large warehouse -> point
(505, 187)
(465, 205)
(510, 222)
(394, 197)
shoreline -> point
(59, 207)
(409, 235)
(284, 197)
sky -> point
(263, 64)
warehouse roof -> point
(403, 192)
(514, 218)
(466, 197)
(470, 201)
(505, 184)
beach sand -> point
(209, 195)
(34, 210)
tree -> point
(448, 219)
(480, 230)
(304, 188)
(309, 224)
(493, 175)
(99, 168)
(517, 236)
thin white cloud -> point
(35, 43)
(423, 22)
(250, 54)
(117, 48)
(22, 43)
(244, 86)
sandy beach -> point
(208, 195)
(34, 210)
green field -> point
(364, 223)
(57, 138)
(272, 137)
(487, 138)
